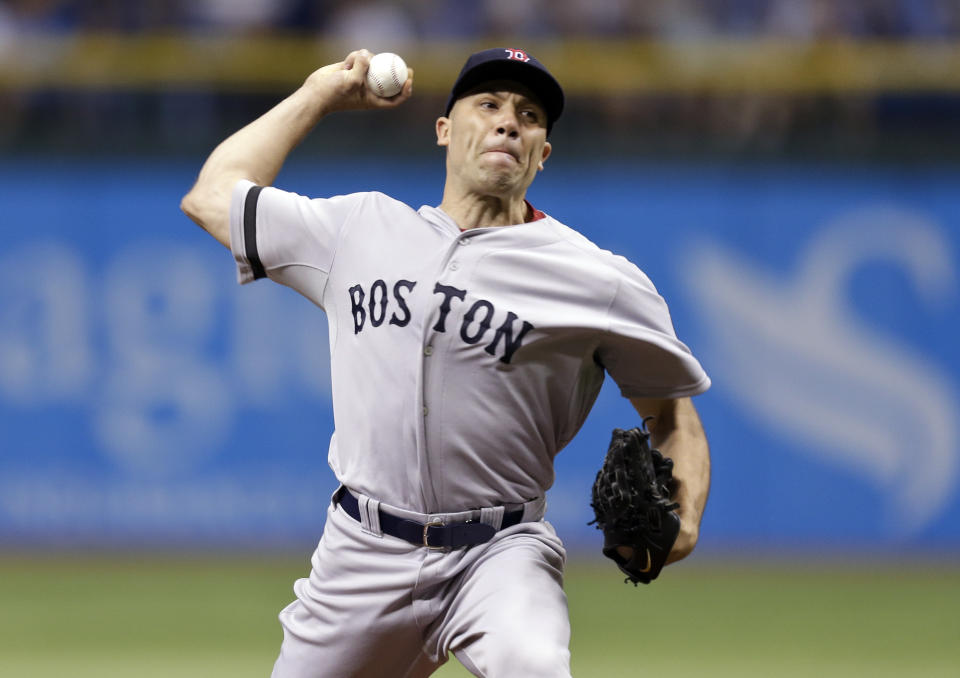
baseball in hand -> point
(386, 74)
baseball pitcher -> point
(468, 342)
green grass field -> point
(209, 617)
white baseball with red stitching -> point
(386, 74)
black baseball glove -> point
(631, 501)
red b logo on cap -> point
(517, 54)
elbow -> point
(189, 207)
(208, 213)
(198, 206)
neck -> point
(480, 211)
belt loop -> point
(492, 516)
(370, 515)
(533, 511)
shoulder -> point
(382, 201)
(368, 207)
(613, 265)
(360, 199)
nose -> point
(508, 124)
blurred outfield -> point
(154, 615)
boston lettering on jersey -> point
(475, 325)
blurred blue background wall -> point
(786, 171)
(147, 399)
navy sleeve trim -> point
(250, 232)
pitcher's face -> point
(496, 139)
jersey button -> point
(428, 350)
(424, 410)
(454, 266)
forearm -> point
(256, 152)
(676, 430)
(679, 435)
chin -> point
(500, 183)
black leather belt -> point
(433, 535)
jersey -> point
(462, 362)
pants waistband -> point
(435, 531)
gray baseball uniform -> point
(461, 364)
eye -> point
(488, 104)
(530, 114)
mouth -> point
(502, 152)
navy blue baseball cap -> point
(517, 65)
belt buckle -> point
(426, 527)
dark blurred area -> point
(741, 79)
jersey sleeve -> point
(287, 237)
(640, 349)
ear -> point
(547, 150)
(443, 131)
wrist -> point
(686, 541)
(311, 103)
